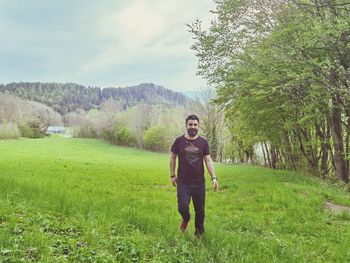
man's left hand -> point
(173, 180)
(216, 185)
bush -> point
(108, 135)
(86, 131)
(157, 139)
(38, 128)
(9, 131)
(26, 130)
(124, 136)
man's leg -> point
(198, 198)
(183, 201)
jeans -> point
(184, 194)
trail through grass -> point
(82, 200)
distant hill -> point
(192, 94)
(70, 96)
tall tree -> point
(281, 69)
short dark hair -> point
(192, 117)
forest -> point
(67, 97)
(281, 71)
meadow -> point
(83, 200)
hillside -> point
(68, 97)
(93, 202)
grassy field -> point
(81, 200)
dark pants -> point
(184, 194)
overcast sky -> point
(101, 43)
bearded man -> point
(191, 150)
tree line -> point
(148, 126)
(68, 97)
(153, 127)
(281, 71)
(23, 118)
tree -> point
(212, 122)
(156, 138)
(141, 121)
(124, 136)
(281, 69)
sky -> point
(103, 43)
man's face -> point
(192, 127)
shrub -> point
(26, 130)
(9, 131)
(156, 138)
(108, 135)
(86, 131)
(38, 128)
(124, 136)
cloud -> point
(140, 24)
(100, 43)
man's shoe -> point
(183, 226)
(198, 235)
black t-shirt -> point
(190, 152)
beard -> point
(192, 132)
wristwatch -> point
(172, 176)
(214, 177)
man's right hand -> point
(173, 180)
(216, 185)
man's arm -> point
(210, 167)
(172, 165)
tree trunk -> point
(268, 155)
(274, 157)
(306, 149)
(347, 140)
(263, 151)
(289, 152)
(323, 136)
(341, 168)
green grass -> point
(81, 200)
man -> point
(191, 150)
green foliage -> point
(38, 128)
(68, 97)
(86, 131)
(9, 131)
(282, 71)
(127, 126)
(108, 136)
(156, 138)
(124, 136)
(26, 130)
(32, 129)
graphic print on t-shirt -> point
(192, 154)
